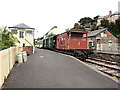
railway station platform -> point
(48, 69)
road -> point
(48, 69)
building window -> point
(91, 44)
(102, 34)
(98, 41)
(23, 44)
(21, 34)
(29, 32)
(110, 44)
(14, 31)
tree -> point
(37, 40)
(67, 29)
(115, 28)
(118, 25)
(96, 18)
(81, 27)
(85, 21)
(77, 26)
(40, 38)
(117, 31)
(51, 34)
(94, 26)
(104, 23)
(7, 38)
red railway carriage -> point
(72, 39)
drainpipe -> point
(87, 39)
(33, 42)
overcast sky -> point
(44, 14)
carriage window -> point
(74, 34)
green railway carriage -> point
(52, 42)
(49, 43)
(44, 43)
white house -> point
(24, 34)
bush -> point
(7, 39)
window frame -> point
(21, 35)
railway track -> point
(109, 67)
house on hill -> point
(24, 34)
(111, 17)
(102, 40)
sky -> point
(44, 14)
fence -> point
(7, 61)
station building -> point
(25, 36)
(103, 40)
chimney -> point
(110, 12)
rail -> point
(111, 68)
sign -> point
(108, 33)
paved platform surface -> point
(47, 69)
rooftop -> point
(21, 26)
(96, 32)
(110, 14)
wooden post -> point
(87, 39)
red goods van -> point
(72, 39)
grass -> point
(114, 77)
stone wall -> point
(107, 56)
(104, 42)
